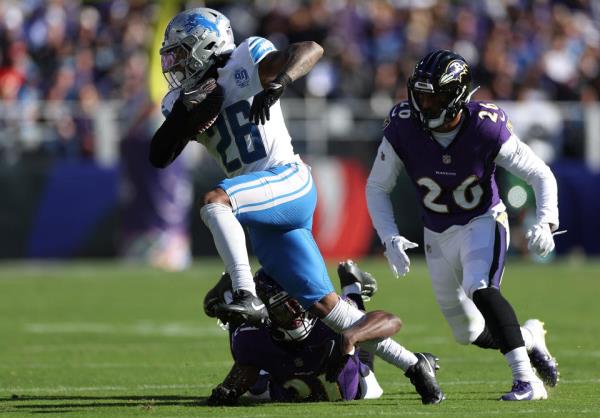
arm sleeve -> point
(517, 158)
(171, 138)
(381, 182)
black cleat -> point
(216, 295)
(422, 376)
(349, 273)
(245, 307)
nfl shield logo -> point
(446, 159)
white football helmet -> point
(193, 39)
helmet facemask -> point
(289, 320)
(180, 64)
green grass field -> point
(107, 339)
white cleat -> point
(542, 361)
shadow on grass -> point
(66, 403)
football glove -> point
(395, 252)
(222, 396)
(540, 239)
(262, 102)
(192, 98)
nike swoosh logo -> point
(523, 396)
(257, 307)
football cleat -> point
(422, 376)
(542, 361)
(245, 307)
(349, 273)
(525, 391)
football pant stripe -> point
(233, 190)
(278, 200)
(499, 255)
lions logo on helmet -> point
(193, 40)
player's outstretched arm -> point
(238, 381)
(277, 70)
(374, 325)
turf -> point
(110, 339)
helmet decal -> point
(454, 71)
(195, 20)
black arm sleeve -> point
(172, 136)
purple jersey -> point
(296, 369)
(455, 183)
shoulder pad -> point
(259, 48)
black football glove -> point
(259, 111)
(192, 98)
(222, 396)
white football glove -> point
(540, 239)
(192, 98)
(395, 247)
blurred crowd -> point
(85, 51)
(519, 49)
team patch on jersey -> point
(447, 159)
(454, 71)
(241, 77)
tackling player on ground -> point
(296, 357)
(450, 147)
(227, 98)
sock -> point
(518, 360)
(343, 316)
(352, 292)
(499, 317)
(485, 339)
(230, 241)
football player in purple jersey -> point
(297, 357)
(450, 147)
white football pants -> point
(461, 260)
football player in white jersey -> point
(226, 97)
(449, 147)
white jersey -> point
(238, 145)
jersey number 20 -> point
(245, 135)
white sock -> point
(520, 365)
(527, 338)
(230, 241)
(343, 316)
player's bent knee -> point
(479, 285)
(217, 195)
